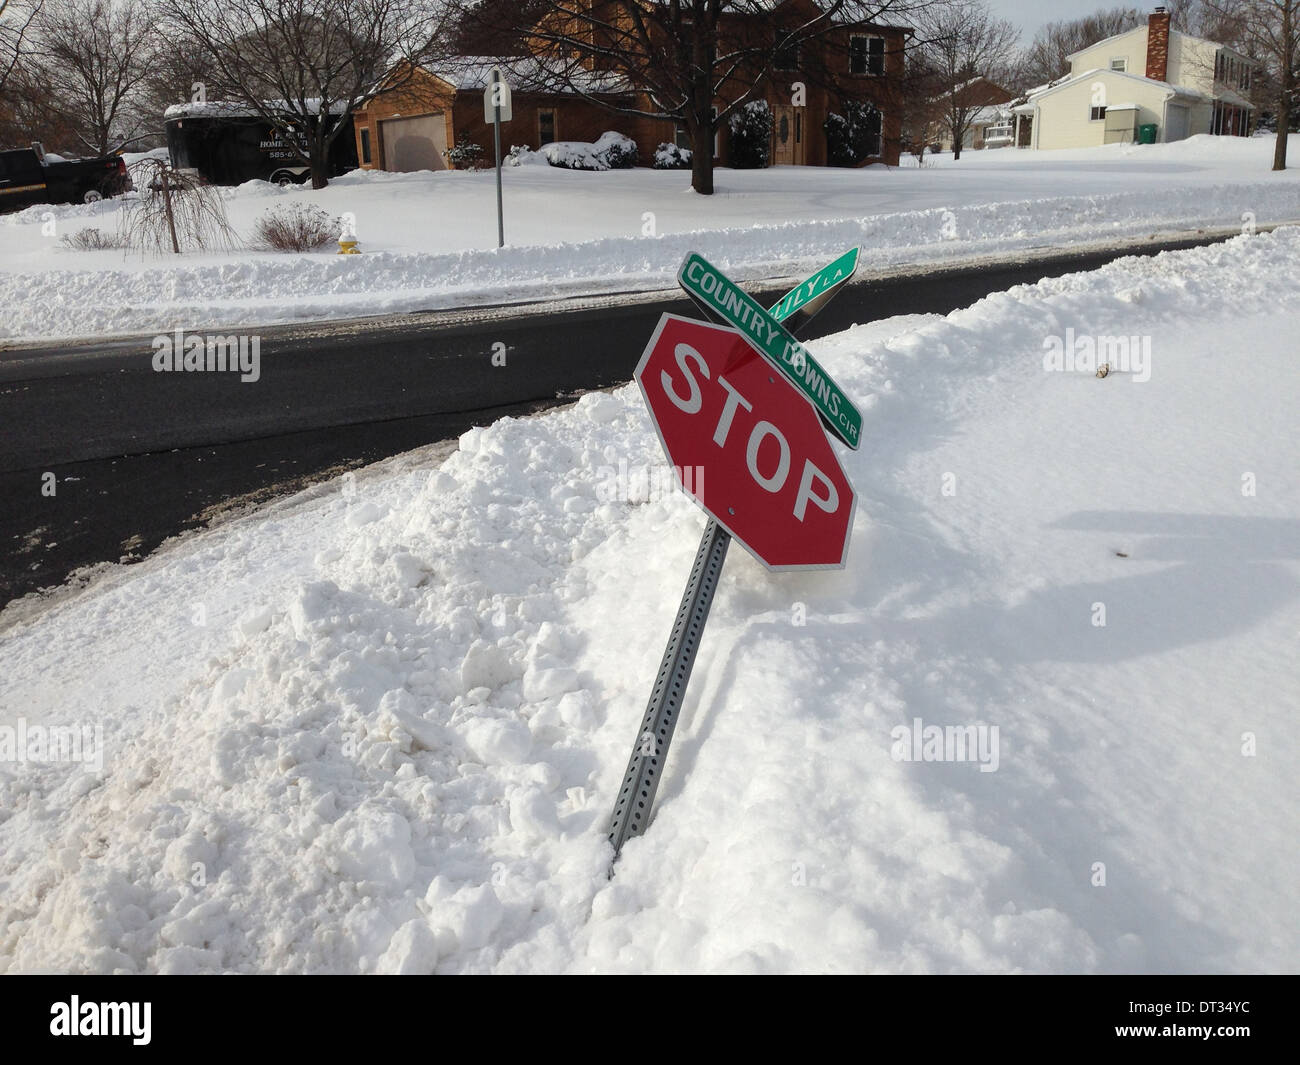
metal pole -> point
(650, 751)
(496, 135)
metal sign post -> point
(497, 109)
(645, 767)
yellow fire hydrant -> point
(348, 241)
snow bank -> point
(264, 288)
(429, 240)
(380, 728)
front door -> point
(783, 136)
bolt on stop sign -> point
(747, 445)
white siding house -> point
(1149, 76)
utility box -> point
(1121, 124)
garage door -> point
(414, 143)
(1177, 118)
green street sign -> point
(710, 287)
(808, 297)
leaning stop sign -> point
(747, 445)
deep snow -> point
(379, 727)
(429, 240)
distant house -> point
(989, 120)
(1152, 76)
(412, 126)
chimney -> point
(1158, 44)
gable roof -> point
(1096, 72)
(1172, 34)
(1107, 40)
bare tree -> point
(694, 62)
(1047, 57)
(962, 42)
(305, 66)
(924, 106)
(92, 58)
(16, 20)
(1267, 31)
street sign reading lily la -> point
(710, 287)
(801, 303)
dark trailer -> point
(228, 144)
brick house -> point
(410, 127)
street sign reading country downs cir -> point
(770, 339)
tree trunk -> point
(319, 164)
(1288, 84)
(700, 106)
(702, 158)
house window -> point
(1120, 64)
(545, 127)
(866, 54)
(365, 145)
(787, 57)
(1097, 114)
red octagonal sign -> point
(746, 445)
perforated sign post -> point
(750, 448)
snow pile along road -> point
(573, 233)
(381, 728)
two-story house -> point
(1151, 83)
(412, 126)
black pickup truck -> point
(27, 178)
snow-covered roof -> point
(523, 73)
(990, 115)
(1228, 96)
(1105, 72)
(239, 109)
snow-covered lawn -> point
(429, 240)
(380, 727)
